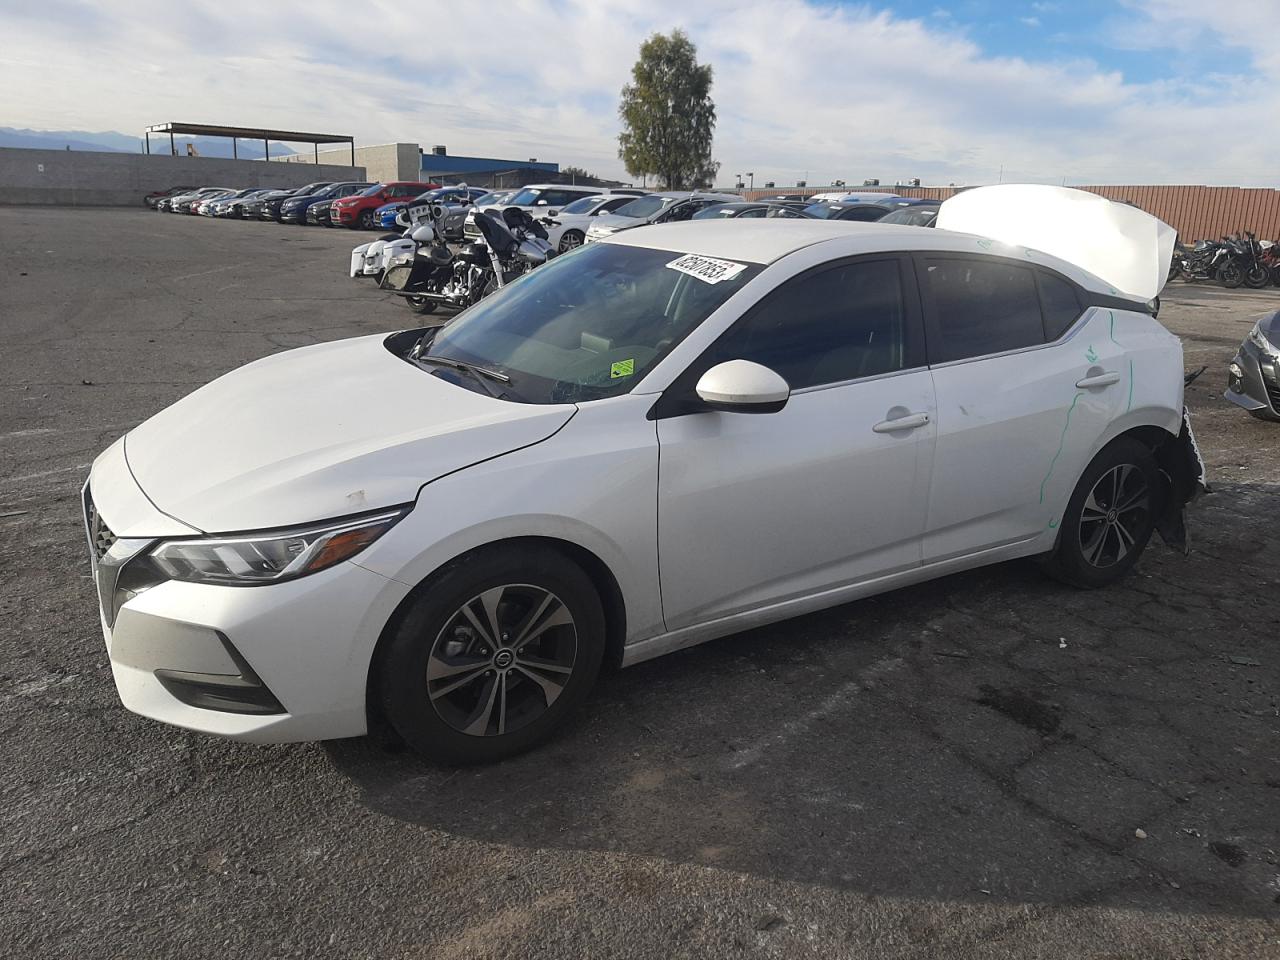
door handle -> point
(910, 422)
(1100, 380)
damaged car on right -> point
(1253, 378)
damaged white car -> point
(671, 435)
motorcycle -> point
(1257, 274)
(1199, 262)
(427, 273)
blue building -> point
(441, 167)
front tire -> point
(570, 240)
(1109, 518)
(492, 655)
(1230, 275)
(420, 304)
(1257, 277)
(365, 221)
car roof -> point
(769, 240)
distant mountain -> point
(113, 142)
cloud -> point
(1030, 21)
(801, 88)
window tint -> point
(864, 214)
(1060, 304)
(839, 324)
(981, 306)
(753, 212)
(558, 198)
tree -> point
(668, 116)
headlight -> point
(270, 557)
(1259, 339)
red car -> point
(357, 212)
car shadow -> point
(991, 735)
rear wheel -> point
(492, 655)
(1109, 519)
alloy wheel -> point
(501, 660)
(570, 240)
(1114, 514)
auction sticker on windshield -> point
(707, 269)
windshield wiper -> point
(482, 375)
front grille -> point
(101, 539)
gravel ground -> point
(990, 765)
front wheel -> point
(492, 655)
(1230, 275)
(1257, 277)
(1109, 519)
(571, 240)
(421, 304)
(365, 222)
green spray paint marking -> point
(1113, 329)
(1053, 524)
(1062, 442)
(1091, 354)
(1130, 405)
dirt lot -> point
(956, 770)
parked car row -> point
(352, 203)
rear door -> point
(756, 509)
(1025, 386)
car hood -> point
(1127, 249)
(611, 221)
(320, 432)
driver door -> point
(756, 509)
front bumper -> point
(1253, 381)
(272, 663)
(343, 215)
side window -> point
(840, 323)
(864, 214)
(1060, 304)
(558, 198)
(610, 205)
(981, 307)
(755, 212)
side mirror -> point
(551, 213)
(743, 386)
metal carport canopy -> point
(249, 133)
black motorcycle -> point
(427, 273)
(1199, 262)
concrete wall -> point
(84, 178)
(383, 162)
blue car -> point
(294, 209)
(385, 215)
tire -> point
(1257, 277)
(365, 220)
(570, 240)
(434, 684)
(421, 304)
(1230, 275)
(1275, 275)
(1175, 270)
(1098, 544)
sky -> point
(966, 91)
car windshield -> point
(643, 207)
(921, 216)
(309, 189)
(823, 210)
(721, 212)
(370, 191)
(525, 198)
(489, 198)
(585, 205)
(588, 324)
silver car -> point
(671, 206)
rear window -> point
(1060, 304)
(981, 307)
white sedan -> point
(671, 435)
(568, 228)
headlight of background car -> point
(270, 557)
(1259, 339)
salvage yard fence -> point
(1195, 212)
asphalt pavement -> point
(990, 765)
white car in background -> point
(854, 196)
(568, 229)
(671, 206)
(542, 200)
(672, 435)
